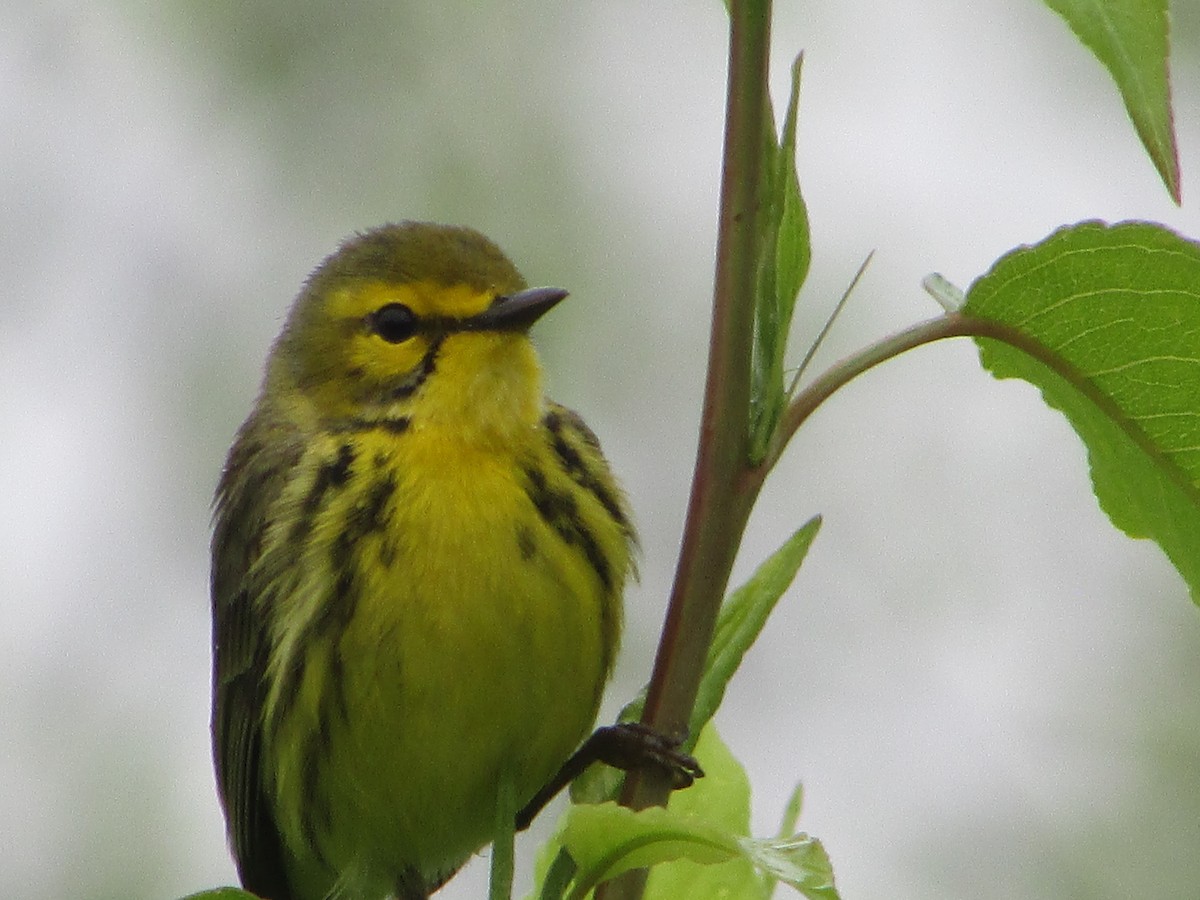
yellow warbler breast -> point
(476, 649)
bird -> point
(418, 564)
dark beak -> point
(516, 312)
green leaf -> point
(607, 839)
(787, 825)
(554, 872)
(722, 797)
(791, 812)
(225, 893)
(1130, 37)
(698, 845)
(1105, 320)
(742, 618)
(799, 861)
(786, 255)
(793, 252)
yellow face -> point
(395, 328)
(370, 349)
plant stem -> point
(719, 507)
(717, 511)
(806, 401)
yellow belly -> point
(476, 651)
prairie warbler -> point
(418, 563)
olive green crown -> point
(407, 252)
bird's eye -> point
(395, 323)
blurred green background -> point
(987, 692)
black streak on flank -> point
(331, 476)
(576, 467)
(526, 543)
(337, 683)
(569, 457)
(288, 690)
(556, 508)
(559, 511)
(338, 608)
(397, 425)
(372, 517)
(310, 779)
(337, 473)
